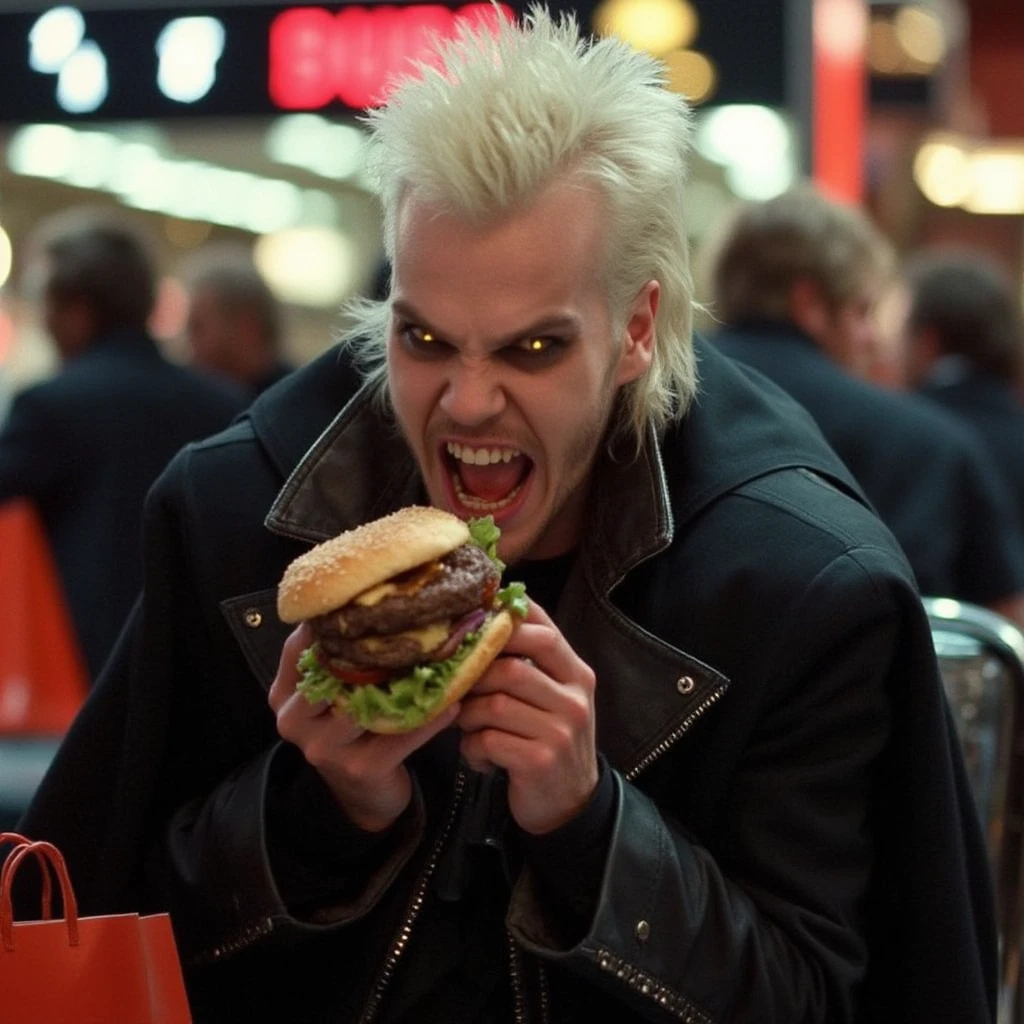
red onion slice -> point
(469, 622)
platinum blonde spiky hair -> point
(507, 109)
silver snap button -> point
(643, 931)
(685, 684)
(253, 618)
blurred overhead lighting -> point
(911, 41)
(754, 146)
(188, 49)
(984, 178)
(6, 257)
(54, 38)
(921, 35)
(314, 144)
(997, 182)
(840, 27)
(82, 80)
(142, 177)
(691, 74)
(941, 170)
(656, 26)
(307, 266)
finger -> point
(520, 679)
(506, 713)
(545, 646)
(301, 723)
(492, 748)
(288, 673)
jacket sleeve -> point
(767, 920)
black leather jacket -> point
(793, 838)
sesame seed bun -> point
(493, 636)
(331, 574)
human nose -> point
(473, 395)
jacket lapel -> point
(646, 689)
(357, 470)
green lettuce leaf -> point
(513, 597)
(406, 700)
(484, 533)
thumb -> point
(288, 673)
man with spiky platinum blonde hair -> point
(491, 146)
(711, 777)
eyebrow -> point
(558, 323)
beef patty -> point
(457, 588)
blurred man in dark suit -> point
(86, 444)
(234, 320)
(796, 279)
(964, 349)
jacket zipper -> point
(238, 943)
(659, 994)
(419, 897)
(684, 727)
(638, 980)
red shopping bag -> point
(116, 969)
(42, 673)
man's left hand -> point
(532, 713)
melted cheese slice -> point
(428, 637)
(375, 595)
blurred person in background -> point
(86, 444)
(963, 347)
(234, 321)
(795, 281)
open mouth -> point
(486, 479)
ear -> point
(808, 308)
(640, 334)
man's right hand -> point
(365, 771)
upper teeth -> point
(481, 456)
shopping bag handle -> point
(50, 860)
(17, 839)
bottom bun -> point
(494, 635)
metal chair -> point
(981, 657)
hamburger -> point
(407, 612)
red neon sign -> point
(317, 57)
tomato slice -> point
(355, 675)
(490, 589)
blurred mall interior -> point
(239, 121)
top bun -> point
(331, 574)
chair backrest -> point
(981, 657)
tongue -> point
(493, 482)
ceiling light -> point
(54, 38)
(656, 26)
(691, 74)
(307, 266)
(920, 34)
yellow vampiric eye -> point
(536, 344)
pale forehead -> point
(545, 258)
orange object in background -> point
(840, 97)
(43, 679)
(118, 968)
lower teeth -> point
(478, 504)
